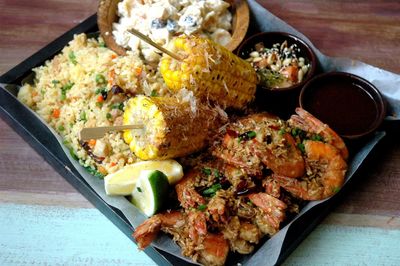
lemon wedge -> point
(150, 192)
(123, 181)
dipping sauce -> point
(348, 104)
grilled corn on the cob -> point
(210, 71)
(171, 128)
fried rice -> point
(87, 85)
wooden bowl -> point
(107, 15)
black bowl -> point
(349, 104)
(281, 101)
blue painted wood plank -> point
(348, 245)
(49, 235)
(45, 235)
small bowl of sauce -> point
(349, 104)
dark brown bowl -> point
(281, 101)
(349, 104)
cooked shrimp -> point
(241, 235)
(271, 187)
(307, 122)
(232, 153)
(324, 177)
(287, 161)
(273, 212)
(197, 224)
(214, 250)
(210, 249)
(217, 209)
(256, 141)
(146, 232)
(185, 190)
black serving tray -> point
(37, 134)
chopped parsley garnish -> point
(108, 116)
(297, 132)
(206, 171)
(217, 174)
(317, 137)
(94, 172)
(61, 128)
(301, 147)
(282, 131)
(202, 207)
(73, 155)
(210, 192)
(139, 189)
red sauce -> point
(344, 106)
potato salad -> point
(163, 19)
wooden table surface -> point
(44, 220)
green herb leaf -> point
(217, 174)
(301, 147)
(247, 136)
(61, 128)
(206, 171)
(317, 137)
(202, 207)
(108, 116)
(72, 57)
(212, 190)
(73, 155)
(270, 79)
(153, 93)
(94, 172)
(139, 189)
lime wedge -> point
(123, 181)
(150, 192)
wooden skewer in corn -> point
(155, 45)
(99, 132)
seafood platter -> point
(183, 149)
